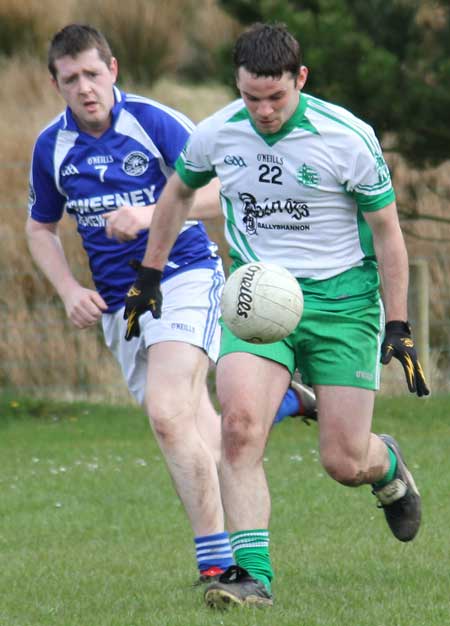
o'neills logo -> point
(245, 298)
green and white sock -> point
(251, 551)
(390, 475)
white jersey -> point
(297, 197)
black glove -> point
(399, 343)
(144, 295)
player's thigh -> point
(279, 351)
(252, 378)
(250, 387)
(131, 356)
(190, 315)
(345, 419)
(340, 348)
(190, 311)
(176, 377)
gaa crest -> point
(135, 163)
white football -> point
(261, 302)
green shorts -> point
(327, 347)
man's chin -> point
(268, 129)
(93, 123)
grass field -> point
(92, 534)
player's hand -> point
(144, 295)
(125, 223)
(399, 343)
(84, 307)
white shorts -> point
(190, 313)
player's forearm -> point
(206, 203)
(394, 276)
(47, 252)
(170, 213)
(392, 260)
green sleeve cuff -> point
(376, 202)
(189, 177)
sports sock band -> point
(390, 474)
(251, 551)
(213, 551)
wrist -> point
(67, 288)
(149, 274)
(145, 216)
(398, 325)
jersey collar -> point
(119, 101)
(297, 120)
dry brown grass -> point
(427, 194)
(39, 350)
(149, 37)
(144, 34)
(28, 24)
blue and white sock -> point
(213, 551)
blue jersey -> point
(129, 164)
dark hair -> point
(267, 50)
(76, 38)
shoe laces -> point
(393, 492)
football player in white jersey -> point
(303, 184)
(105, 160)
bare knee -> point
(243, 436)
(167, 421)
(343, 468)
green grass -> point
(92, 533)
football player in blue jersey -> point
(105, 160)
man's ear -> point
(54, 82)
(301, 77)
(114, 68)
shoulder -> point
(151, 110)
(334, 120)
(50, 132)
(232, 112)
(48, 139)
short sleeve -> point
(369, 178)
(45, 203)
(194, 163)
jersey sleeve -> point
(45, 204)
(369, 179)
(194, 163)
(173, 130)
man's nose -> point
(84, 84)
(264, 109)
